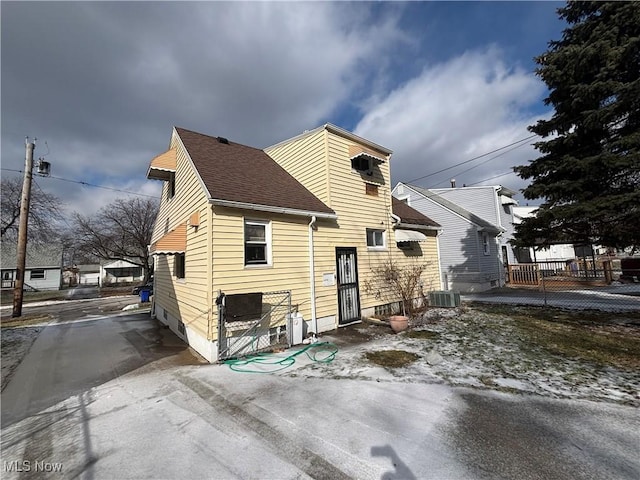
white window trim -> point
(44, 274)
(268, 242)
(384, 239)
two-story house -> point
(312, 215)
(477, 226)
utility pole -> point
(22, 230)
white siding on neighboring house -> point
(465, 265)
(480, 201)
(494, 205)
(43, 278)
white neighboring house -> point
(120, 271)
(43, 268)
(494, 204)
(560, 252)
(471, 244)
(477, 223)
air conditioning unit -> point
(444, 298)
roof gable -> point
(455, 208)
(238, 173)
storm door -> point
(348, 294)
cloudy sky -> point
(103, 83)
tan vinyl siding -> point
(190, 298)
(290, 256)
(305, 160)
(357, 211)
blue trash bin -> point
(144, 295)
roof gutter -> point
(271, 209)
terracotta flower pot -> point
(398, 323)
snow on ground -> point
(470, 349)
(475, 349)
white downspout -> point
(312, 276)
(442, 280)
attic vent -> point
(223, 140)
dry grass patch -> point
(25, 320)
(607, 339)
(422, 334)
(392, 358)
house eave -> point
(271, 209)
(413, 226)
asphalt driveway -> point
(121, 397)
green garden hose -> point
(323, 352)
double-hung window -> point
(486, 247)
(257, 242)
(36, 274)
(375, 238)
(178, 265)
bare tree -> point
(391, 281)
(119, 231)
(44, 213)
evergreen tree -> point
(589, 173)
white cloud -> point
(453, 111)
(117, 76)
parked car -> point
(145, 286)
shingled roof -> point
(232, 172)
(410, 215)
(37, 256)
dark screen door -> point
(348, 295)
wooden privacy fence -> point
(524, 274)
(573, 272)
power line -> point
(491, 178)
(473, 159)
(486, 161)
(87, 184)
